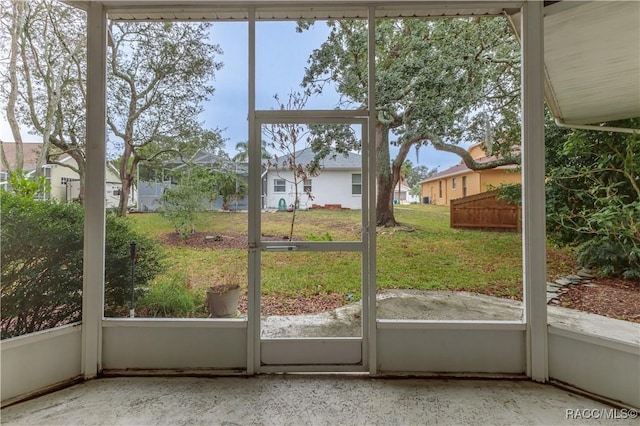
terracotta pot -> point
(223, 303)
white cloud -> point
(7, 136)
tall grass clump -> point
(170, 297)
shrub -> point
(509, 192)
(119, 235)
(593, 197)
(27, 186)
(613, 246)
(179, 207)
(170, 297)
(42, 264)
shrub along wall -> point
(42, 257)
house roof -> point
(462, 168)
(201, 157)
(31, 151)
(403, 187)
(205, 157)
(333, 161)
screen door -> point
(310, 238)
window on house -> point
(307, 186)
(356, 184)
(464, 186)
(439, 189)
(117, 191)
(454, 183)
(46, 195)
(65, 180)
(279, 185)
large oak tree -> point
(437, 81)
(44, 82)
(159, 76)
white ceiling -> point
(592, 60)
(295, 9)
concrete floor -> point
(307, 400)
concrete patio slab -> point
(440, 305)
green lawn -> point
(426, 254)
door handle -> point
(281, 248)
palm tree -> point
(229, 186)
(405, 169)
(243, 152)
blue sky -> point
(281, 57)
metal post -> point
(253, 303)
(371, 344)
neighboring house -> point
(71, 187)
(152, 184)
(403, 194)
(31, 150)
(64, 182)
(460, 181)
(339, 182)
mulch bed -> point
(298, 305)
(611, 297)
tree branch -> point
(466, 157)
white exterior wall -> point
(329, 187)
(450, 347)
(177, 344)
(39, 361)
(113, 186)
(71, 190)
(58, 189)
(112, 197)
(599, 364)
(404, 195)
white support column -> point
(94, 223)
(255, 204)
(533, 196)
(371, 350)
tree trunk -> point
(384, 201)
(126, 178)
(127, 183)
(17, 26)
(80, 161)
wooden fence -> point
(485, 211)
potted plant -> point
(223, 295)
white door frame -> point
(308, 354)
(533, 195)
